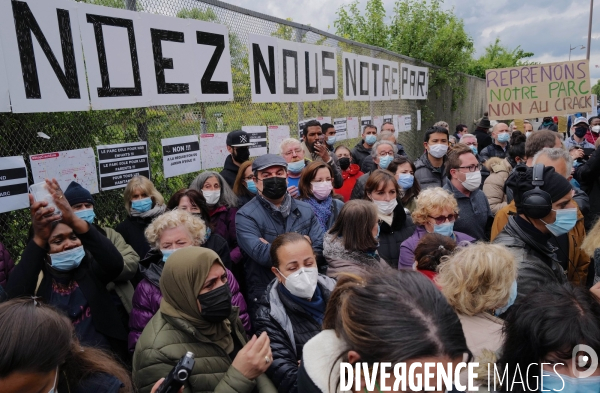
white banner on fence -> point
(4, 99)
(414, 82)
(13, 184)
(132, 59)
(341, 128)
(213, 150)
(287, 71)
(181, 155)
(44, 64)
(66, 166)
(353, 127)
(276, 135)
(119, 163)
(258, 136)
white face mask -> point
(212, 197)
(53, 390)
(528, 134)
(596, 129)
(302, 283)
(386, 208)
(472, 181)
(438, 151)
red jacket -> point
(350, 176)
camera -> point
(178, 375)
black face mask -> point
(242, 154)
(580, 131)
(274, 187)
(344, 163)
(216, 304)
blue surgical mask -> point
(371, 139)
(251, 186)
(378, 231)
(445, 229)
(503, 137)
(511, 300)
(406, 181)
(565, 221)
(86, 215)
(474, 149)
(331, 140)
(167, 253)
(384, 162)
(142, 205)
(67, 260)
(53, 390)
(296, 167)
(551, 382)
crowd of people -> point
(484, 247)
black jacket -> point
(483, 139)
(358, 192)
(102, 264)
(359, 153)
(588, 176)
(289, 327)
(132, 229)
(537, 263)
(427, 175)
(493, 150)
(390, 238)
(230, 171)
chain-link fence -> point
(74, 130)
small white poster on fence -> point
(119, 163)
(276, 135)
(181, 155)
(398, 124)
(324, 119)
(407, 122)
(388, 119)
(66, 166)
(258, 136)
(378, 122)
(341, 128)
(419, 120)
(13, 184)
(213, 150)
(353, 127)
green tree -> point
(498, 56)
(596, 88)
(369, 29)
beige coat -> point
(493, 188)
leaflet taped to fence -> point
(119, 163)
(66, 166)
(181, 155)
(258, 138)
(13, 184)
(276, 135)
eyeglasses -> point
(472, 168)
(442, 219)
(383, 154)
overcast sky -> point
(544, 27)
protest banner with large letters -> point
(132, 59)
(538, 90)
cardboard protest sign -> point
(539, 90)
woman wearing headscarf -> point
(196, 316)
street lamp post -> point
(589, 44)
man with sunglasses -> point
(464, 174)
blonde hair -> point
(288, 141)
(145, 185)
(592, 240)
(477, 278)
(433, 200)
(173, 219)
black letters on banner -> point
(375, 68)
(363, 77)
(161, 63)
(328, 73)
(26, 24)
(218, 41)
(311, 89)
(386, 81)
(106, 90)
(269, 74)
(294, 55)
(421, 83)
(350, 77)
(394, 71)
